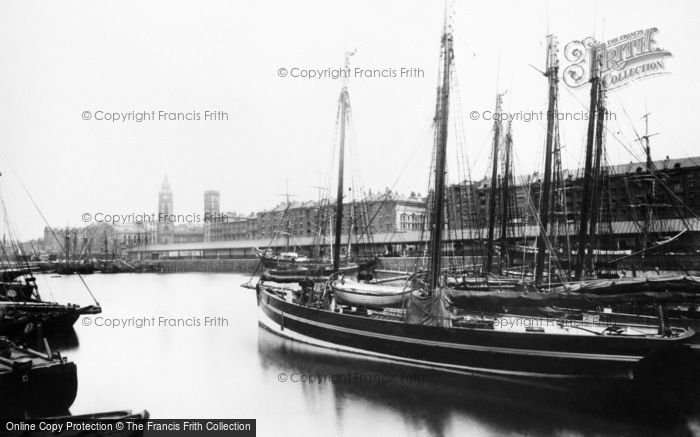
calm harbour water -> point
(234, 369)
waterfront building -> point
(237, 227)
(188, 233)
(212, 213)
(625, 195)
(132, 235)
(375, 213)
(298, 219)
(395, 212)
(393, 223)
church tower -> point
(165, 210)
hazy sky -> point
(59, 59)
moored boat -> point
(369, 294)
(32, 381)
(289, 266)
(21, 318)
(22, 307)
(70, 268)
(499, 345)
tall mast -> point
(651, 194)
(67, 244)
(441, 119)
(647, 146)
(551, 74)
(596, 183)
(343, 102)
(588, 176)
(286, 214)
(351, 223)
(505, 194)
(560, 188)
(494, 186)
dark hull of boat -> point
(25, 320)
(473, 350)
(70, 269)
(43, 267)
(49, 324)
(46, 389)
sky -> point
(61, 60)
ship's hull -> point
(22, 319)
(74, 268)
(473, 350)
(48, 388)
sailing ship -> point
(576, 290)
(116, 264)
(70, 266)
(430, 332)
(20, 319)
(289, 266)
(492, 274)
(22, 308)
(588, 257)
(553, 273)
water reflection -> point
(400, 400)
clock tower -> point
(165, 211)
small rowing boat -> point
(369, 294)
